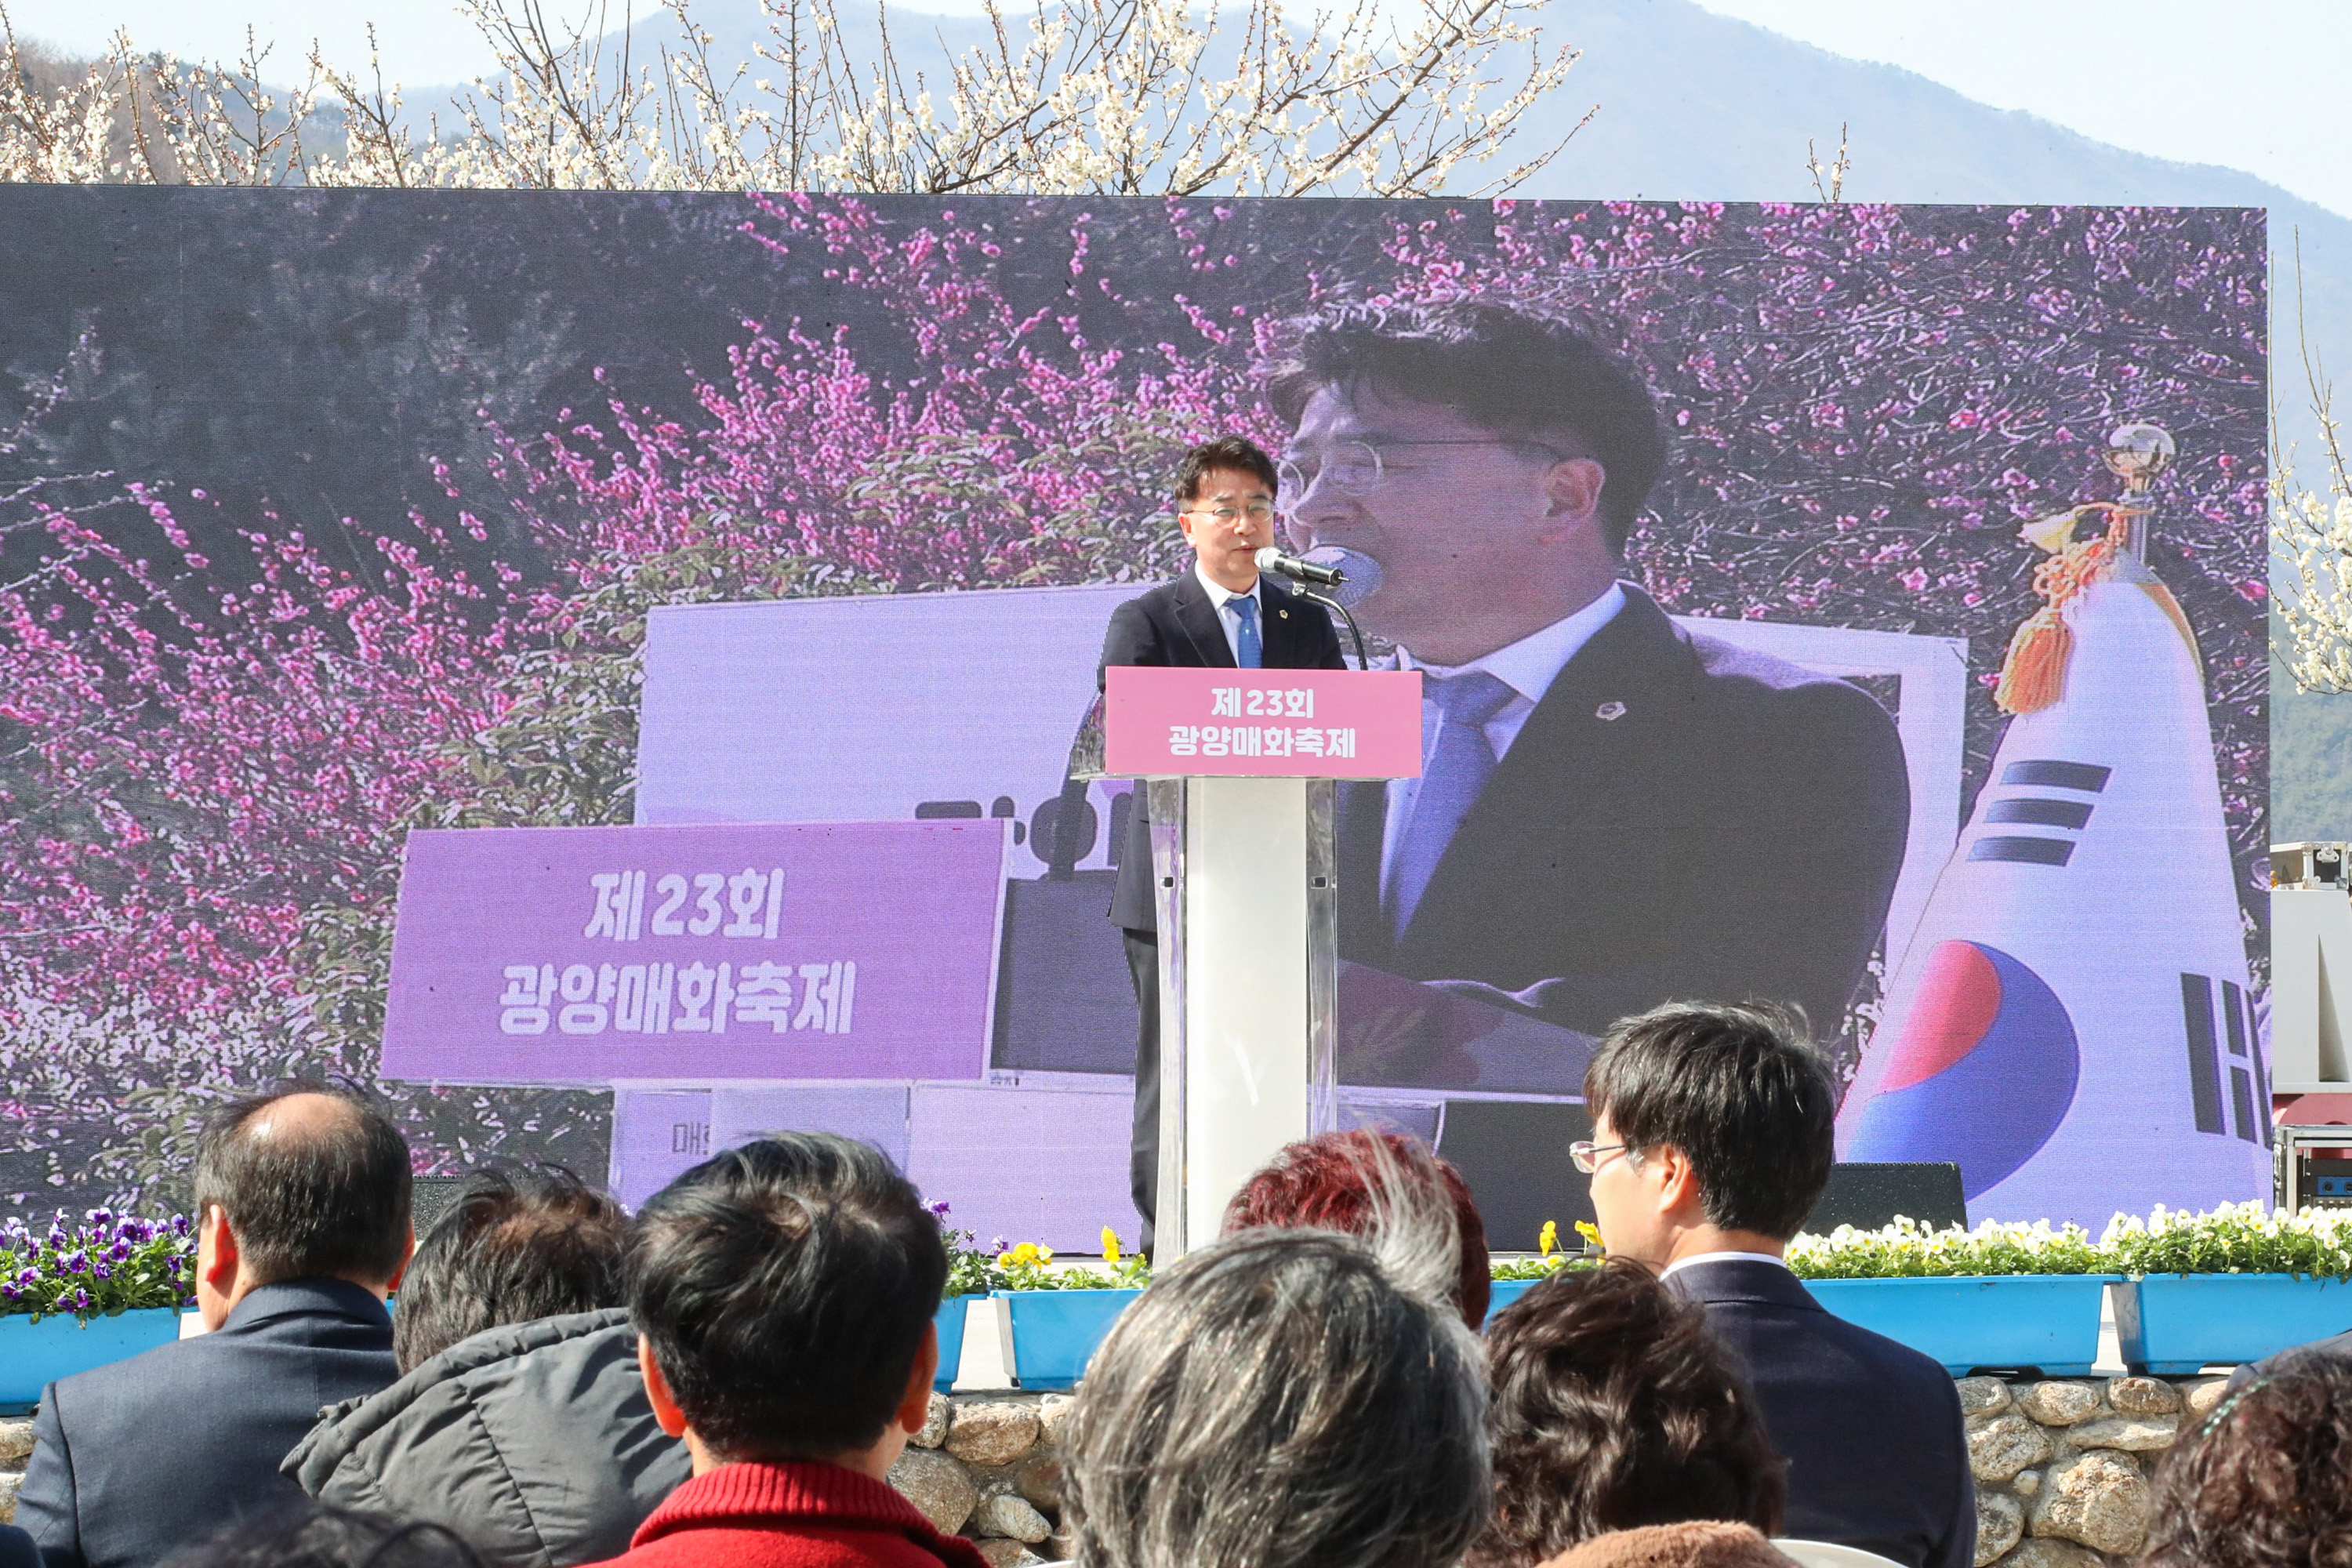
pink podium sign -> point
(580, 955)
(1261, 723)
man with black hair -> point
(782, 1294)
(519, 1421)
(519, 1244)
(302, 1232)
(1713, 1131)
(1222, 614)
(1612, 812)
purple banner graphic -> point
(586, 955)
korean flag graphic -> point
(2071, 1021)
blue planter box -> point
(1505, 1292)
(34, 1355)
(2046, 1320)
(950, 1321)
(2171, 1324)
(1054, 1333)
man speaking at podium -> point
(1223, 615)
(1613, 812)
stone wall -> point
(2062, 1467)
(988, 1466)
(15, 1448)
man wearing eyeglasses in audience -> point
(1612, 812)
(1222, 613)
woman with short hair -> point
(2265, 1481)
(1286, 1398)
(1615, 1408)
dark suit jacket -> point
(134, 1460)
(1870, 1429)
(1175, 624)
(17, 1549)
(1679, 820)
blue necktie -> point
(1249, 652)
(1459, 765)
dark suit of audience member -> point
(1870, 1429)
(1176, 624)
(302, 1230)
(1713, 1133)
(135, 1459)
(1677, 818)
(17, 1549)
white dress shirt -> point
(1218, 595)
(1697, 1257)
(1527, 667)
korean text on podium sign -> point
(1261, 723)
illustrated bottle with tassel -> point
(2071, 1021)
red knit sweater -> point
(793, 1515)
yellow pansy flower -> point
(1027, 1253)
(1548, 1237)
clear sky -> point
(2258, 85)
(421, 42)
(2255, 85)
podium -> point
(1239, 766)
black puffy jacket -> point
(534, 1442)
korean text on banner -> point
(586, 955)
(1261, 723)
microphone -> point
(1299, 570)
(1348, 577)
(1360, 574)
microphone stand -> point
(1305, 592)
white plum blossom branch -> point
(1111, 96)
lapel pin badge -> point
(1608, 711)
(1283, 613)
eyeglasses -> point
(1257, 511)
(1356, 467)
(1586, 1154)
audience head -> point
(1285, 1398)
(307, 1534)
(1328, 1182)
(1615, 1406)
(784, 1292)
(2261, 1481)
(517, 1245)
(307, 1182)
(1714, 1127)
